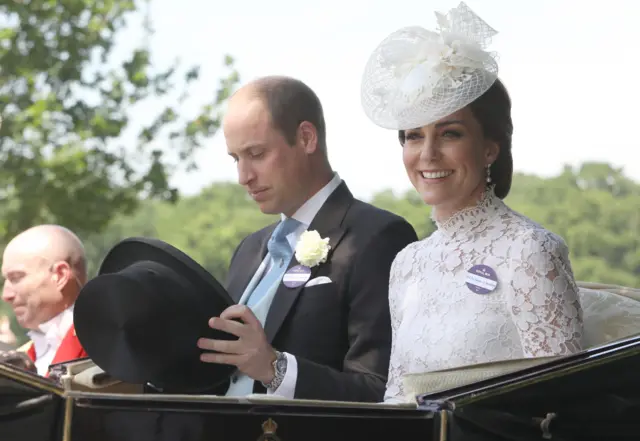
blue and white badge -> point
(481, 279)
(296, 276)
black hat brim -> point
(141, 336)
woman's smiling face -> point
(447, 161)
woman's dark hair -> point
(492, 110)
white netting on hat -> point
(415, 76)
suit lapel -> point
(328, 223)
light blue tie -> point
(281, 253)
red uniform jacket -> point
(69, 349)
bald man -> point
(44, 268)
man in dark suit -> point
(312, 318)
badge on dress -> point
(481, 279)
(296, 276)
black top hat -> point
(140, 319)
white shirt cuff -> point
(287, 388)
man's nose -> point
(245, 173)
(8, 295)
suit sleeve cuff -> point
(287, 388)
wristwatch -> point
(280, 369)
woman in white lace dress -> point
(489, 284)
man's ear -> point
(61, 273)
(308, 137)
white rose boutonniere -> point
(311, 249)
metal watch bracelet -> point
(280, 369)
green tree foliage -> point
(410, 206)
(67, 101)
(596, 209)
(208, 227)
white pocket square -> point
(317, 281)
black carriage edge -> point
(592, 395)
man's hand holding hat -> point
(251, 353)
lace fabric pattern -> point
(439, 323)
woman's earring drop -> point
(488, 173)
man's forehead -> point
(18, 263)
(246, 111)
(17, 259)
(247, 127)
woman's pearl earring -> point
(488, 173)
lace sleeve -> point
(544, 302)
(394, 392)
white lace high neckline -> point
(487, 207)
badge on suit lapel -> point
(285, 297)
(296, 276)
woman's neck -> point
(440, 213)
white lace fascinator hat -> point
(416, 76)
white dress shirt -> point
(48, 337)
